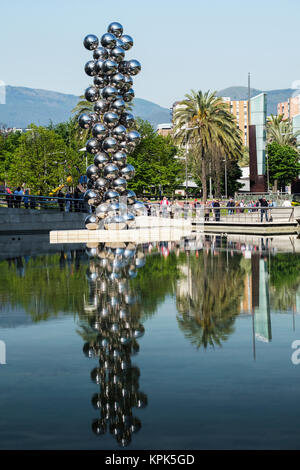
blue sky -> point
(204, 44)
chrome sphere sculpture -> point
(113, 328)
(111, 127)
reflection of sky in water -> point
(214, 363)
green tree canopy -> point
(283, 163)
(154, 161)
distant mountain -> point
(28, 105)
(273, 96)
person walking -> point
(230, 204)
(60, 200)
(76, 199)
(18, 193)
(264, 203)
(9, 198)
(26, 199)
(216, 203)
(164, 206)
(186, 207)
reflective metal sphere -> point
(93, 146)
(116, 222)
(98, 66)
(101, 82)
(91, 42)
(94, 117)
(109, 67)
(109, 93)
(90, 184)
(127, 119)
(84, 121)
(133, 137)
(127, 172)
(119, 132)
(116, 29)
(111, 171)
(91, 94)
(131, 196)
(101, 106)
(92, 172)
(123, 66)
(129, 219)
(119, 158)
(128, 83)
(119, 184)
(109, 145)
(127, 42)
(101, 210)
(110, 119)
(117, 54)
(123, 146)
(101, 159)
(91, 222)
(138, 208)
(111, 196)
(118, 106)
(100, 53)
(128, 95)
(99, 131)
(89, 68)
(118, 81)
(89, 196)
(108, 40)
(133, 67)
(100, 184)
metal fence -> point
(43, 203)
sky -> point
(182, 45)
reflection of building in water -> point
(261, 302)
(111, 331)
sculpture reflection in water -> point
(111, 330)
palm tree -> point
(281, 131)
(203, 122)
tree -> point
(203, 122)
(8, 145)
(39, 160)
(283, 163)
(280, 130)
(154, 161)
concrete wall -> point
(16, 221)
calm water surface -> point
(162, 346)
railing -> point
(221, 214)
(43, 203)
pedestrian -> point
(60, 200)
(264, 203)
(230, 204)
(186, 207)
(18, 193)
(164, 206)
(68, 202)
(26, 199)
(216, 203)
(9, 198)
(76, 197)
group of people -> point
(16, 197)
(71, 202)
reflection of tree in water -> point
(284, 271)
(50, 284)
(110, 331)
(209, 300)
